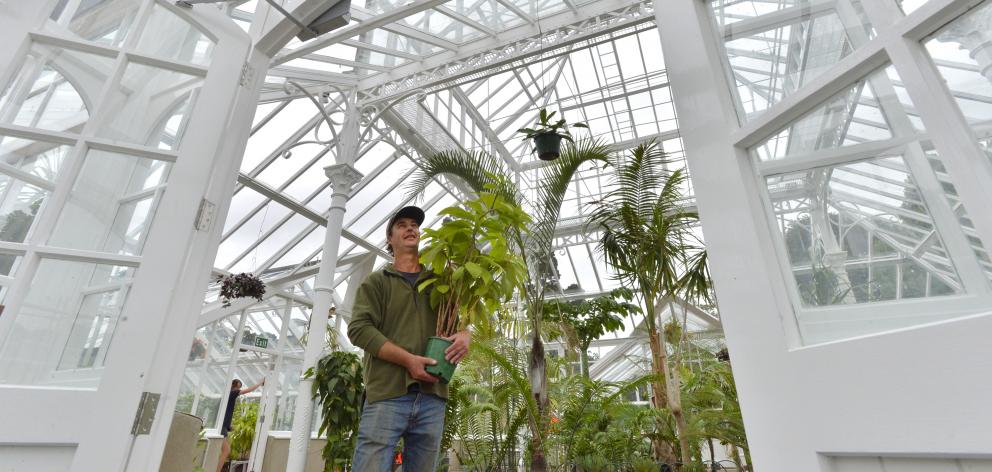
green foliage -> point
(338, 387)
(582, 322)
(468, 283)
(15, 228)
(544, 125)
(648, 231)
(649, 238)
(487, 407)
(243, 429)
(478, 170)
(594, 420)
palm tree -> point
(478, 170)
(648, 239)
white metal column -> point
(343, 177)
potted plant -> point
(338, 387)
(242, 285)
(547, 136)
(473, 269)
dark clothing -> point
(388, 307)
(229, 412)
(410, 277)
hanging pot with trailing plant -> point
(467, 284)
(243, 285)
(547, 136)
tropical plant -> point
(648, 238)
(544, 125)
(338, 388)
(594, 420)
(582, 322)
(488, 407)
(467, 282)
(479, 169)
(242, 285)
(243, 429)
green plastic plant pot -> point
(548, 146)
(435, 350)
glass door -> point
(110, 138)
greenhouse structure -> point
(760, 245)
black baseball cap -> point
(412, 212)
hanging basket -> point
(242, 285)
(548, 146)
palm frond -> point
(476, 169)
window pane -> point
(152, 106)
(20, 200)
(961, 52)
(909, 6)
(55, 89)
(112, 204)
(102, 21)
(168, 36)
(62, 333)
(853, 116)
(770, 61)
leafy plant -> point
(582, 322)
(243, 429)
(544, 125)
(649, 238)
(469, 283)
(242, 285)
(338, 387)
(478, 170)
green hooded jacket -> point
(387, 307)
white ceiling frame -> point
(517, 11)
(516, 43)
(466, 21)
(306, 212)
(381, 50)
(351, 31)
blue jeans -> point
(416, 417)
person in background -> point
(236, 391)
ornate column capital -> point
(343, 178)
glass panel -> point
(909, 6)
(62, 333)
(771, 60)
(851, 117)
(21, 201)
(169, 36)
(963, 54)
(55, 89)
(860, 233)
(437, 24)
(112, 204)
(152, 106)
(101, 21)
(771, 65)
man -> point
(236, 391)
(391, 320)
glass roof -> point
(467, 74)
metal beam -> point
(351, 31)
(303, 210)
(557, 30)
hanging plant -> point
(338, 388)
(243, 285)
(468, 283)
(547, 136)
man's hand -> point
(459, 347)
(415, 365)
